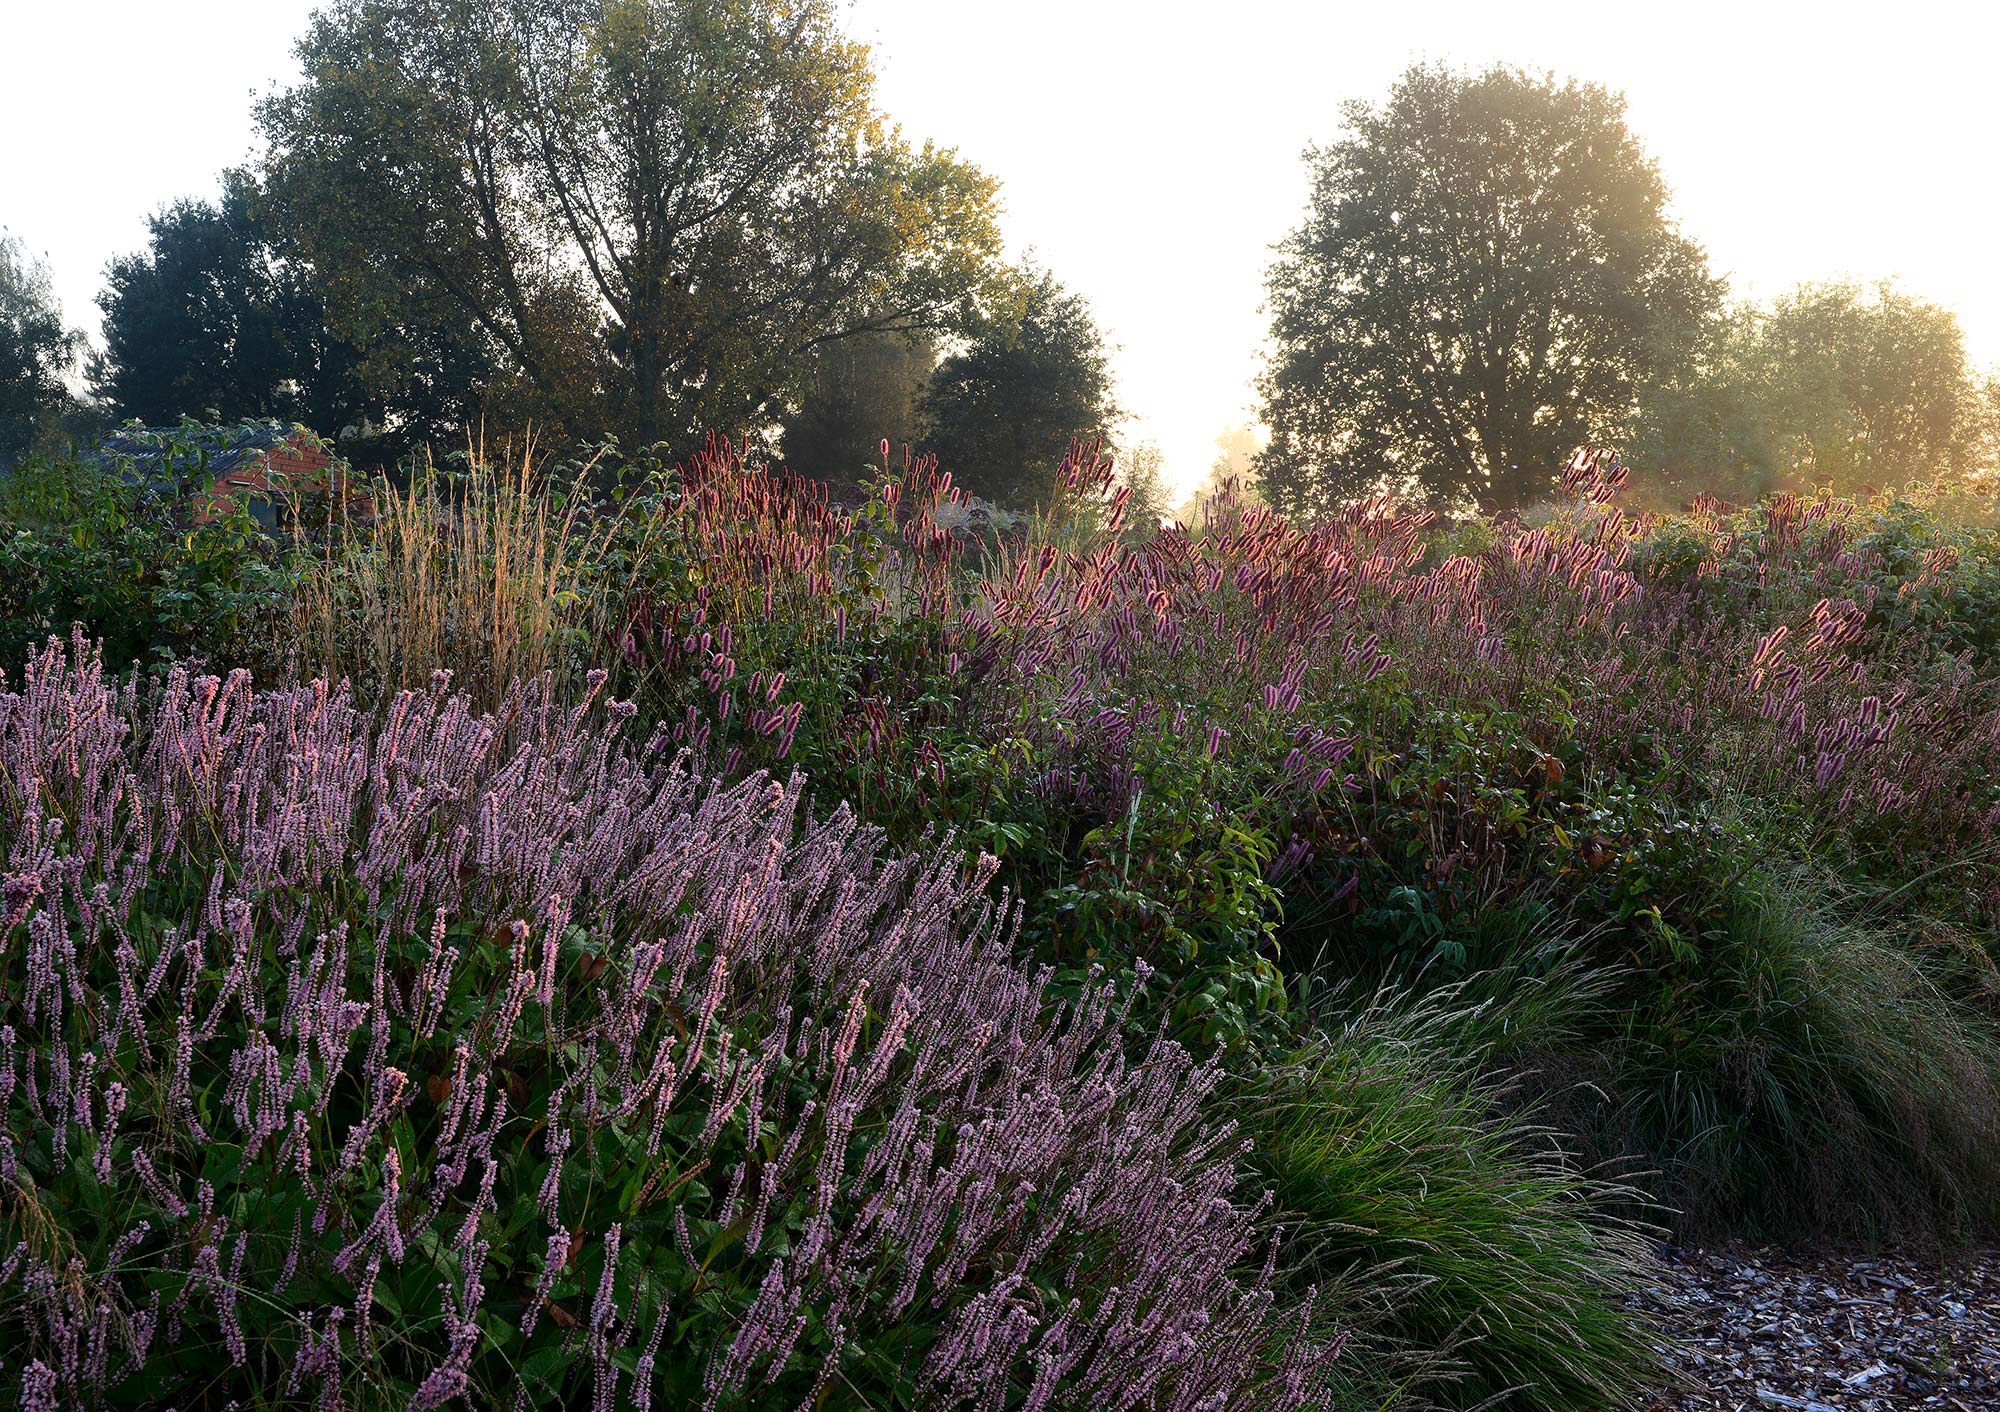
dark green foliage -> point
(864, 391)
(211, 320)
(1000, 414)
(85, 542)
(1487, 280)
(1800, 1074)
(1947, 548)
(1926, 558)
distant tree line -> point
(641, 220)
(1488, 278)
(649, 220)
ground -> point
(1758, 1329)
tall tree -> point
(1980, 457)
(37, 352)
(215, 315)
(209, 318)
(1830, 384)
(1860, 385)
(1486, 279)
(1143, 468)
(1236, 449)
(864, 391)
(653, 208)
(1701, 429)
(1001, 411)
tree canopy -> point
(209, 318)
(1979, 453)
(1142, 470)
(652, 209)
(1832, 383)
(1487, 278)
(37, 352)
(1860, 385)
(1001, 411)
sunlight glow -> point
(1150, 154)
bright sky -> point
(1151, 151)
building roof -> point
(172, 455)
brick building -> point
(270, 464)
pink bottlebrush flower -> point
(997, 1120)
(38, 1388)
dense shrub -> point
(86, 542)
(1924, 561)
(1263, 751)
(503, 1057)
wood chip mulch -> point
(1762, 1329)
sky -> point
(1151, 150)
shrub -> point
(498, 1057)
(85, 544)
(1232, 754)
(777, 628)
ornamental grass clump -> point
(504, 1060)
(1474, 1244)
(499, 566)
(1817, 1073)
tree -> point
(37, 352)
(1001, 412)
(215, 316)
(1486, 279)
(1701, 429)
(1860, 386)
(1981, 440)
(864, 390)
(1143, 469)
(1831, 384)
(654, 209)
(208, 318)
(1236, 449)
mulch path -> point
(1825, 1332)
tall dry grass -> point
(495, 570)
